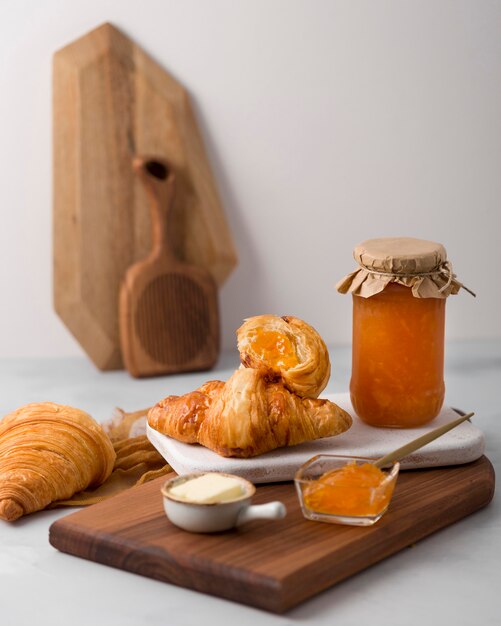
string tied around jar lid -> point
(444, 269)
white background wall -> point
(326, 123)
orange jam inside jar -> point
(399, 294)
(351, 491)
(398, 358)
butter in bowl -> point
(214, 502)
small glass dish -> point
(321, 502)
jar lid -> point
(416, 263)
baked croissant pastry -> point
(250, 416)
(48, 452)
(286, 349)
(180, 416)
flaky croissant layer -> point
(285, 349)
(246, 416)
(48, 452)
(181, 416)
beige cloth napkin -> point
(137, 460)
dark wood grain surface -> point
(273, 565)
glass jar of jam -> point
(399, 296)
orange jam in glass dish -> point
(345, 490)
(398, 358)
(348, 491)
(399, 294)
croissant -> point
(180, 416)
(48, 452)
(250, 416)
(285, 349)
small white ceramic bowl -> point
(217, 516)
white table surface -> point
(452, 577)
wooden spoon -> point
(399, 453)
(168, 310)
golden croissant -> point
(48, 452)
(285, 349)
(180, 416)
(250, 416)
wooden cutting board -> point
(111, 101)
(270, 565)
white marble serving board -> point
(463, 444)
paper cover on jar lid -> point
(416, 263)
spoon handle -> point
(399, 453)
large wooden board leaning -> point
(270, 565)
(111, 101)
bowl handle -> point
(271, 510)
